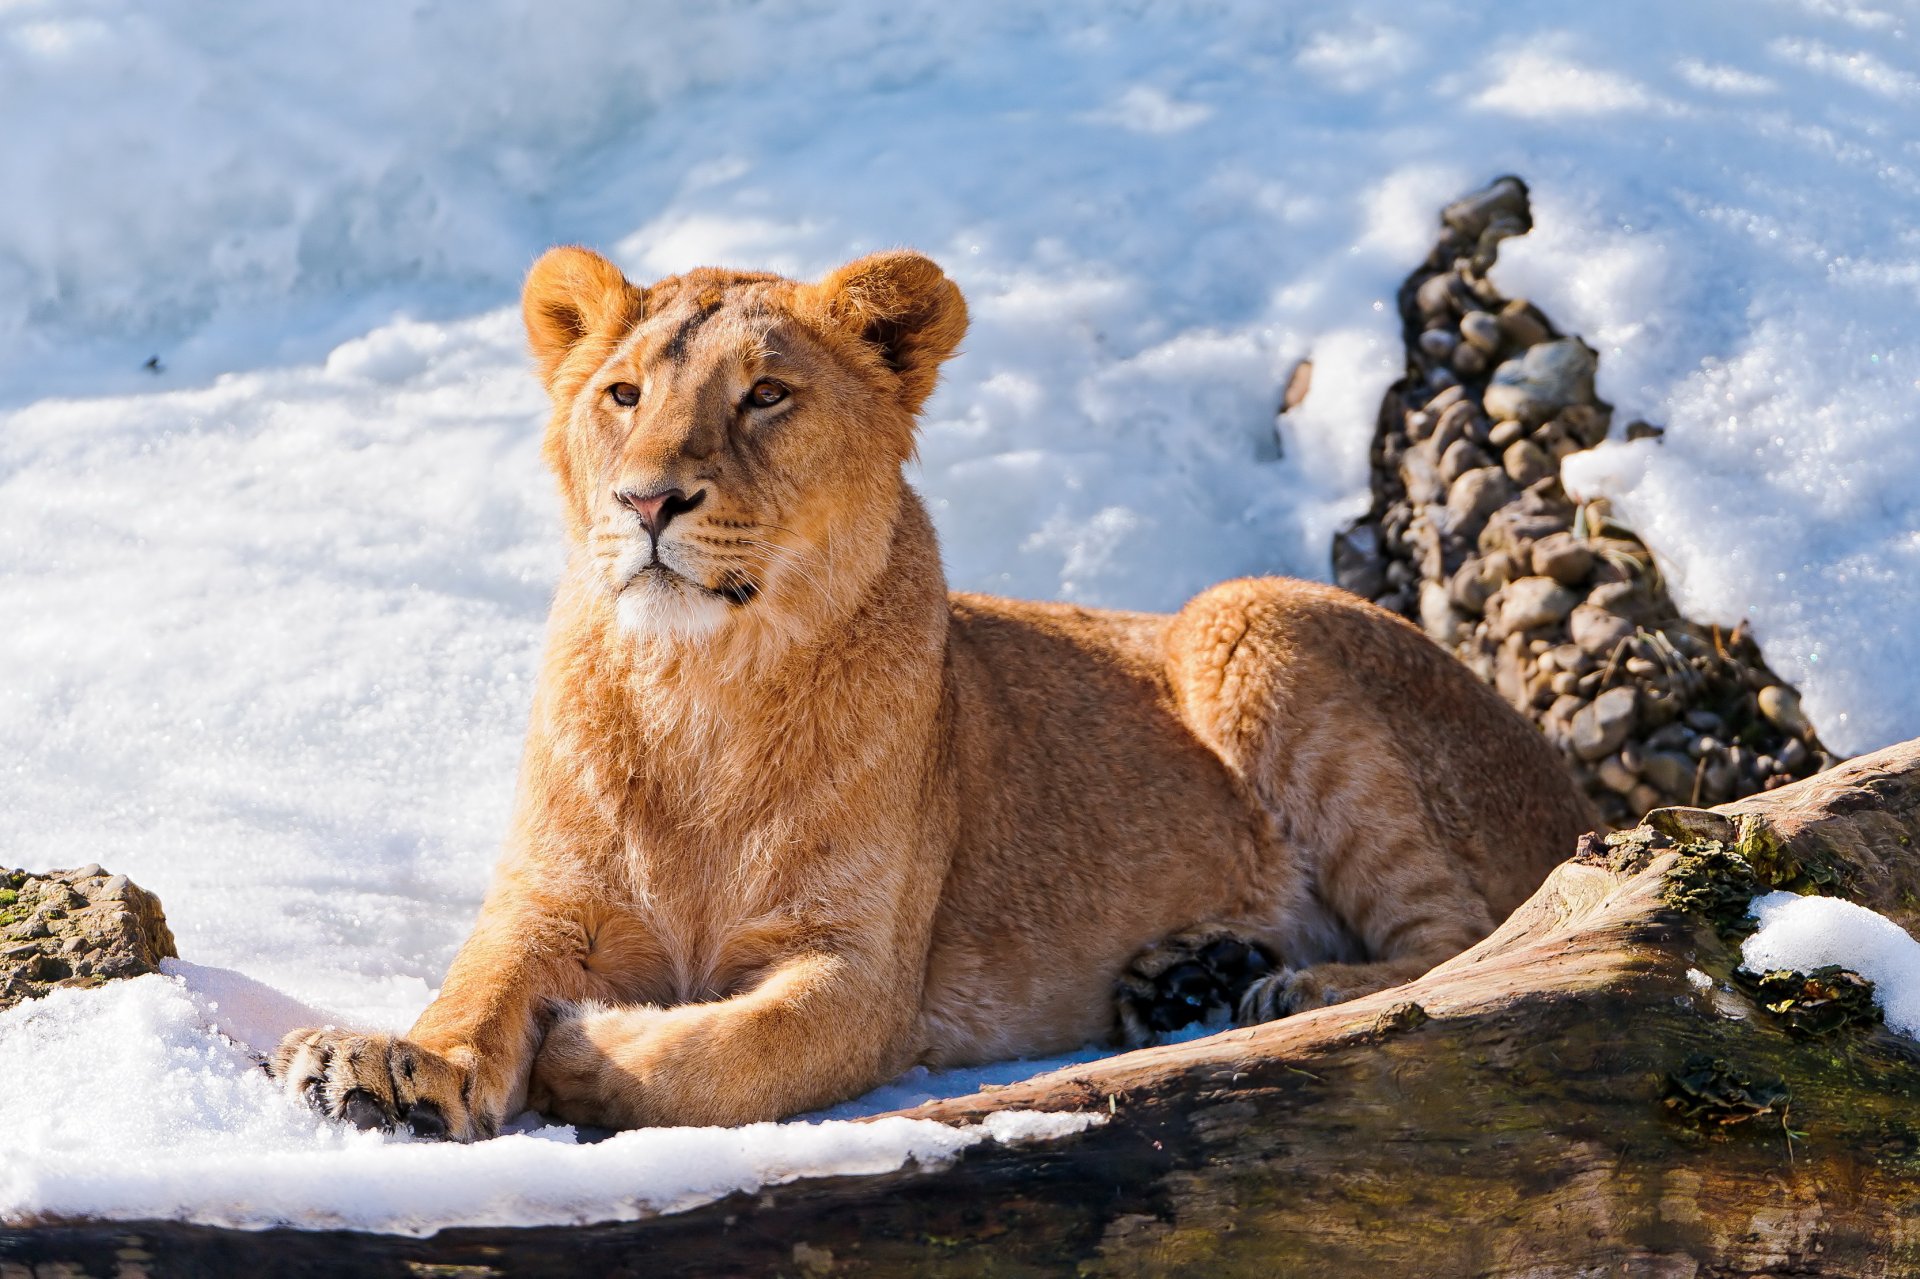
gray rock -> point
(1469, 360)
(1597, 630)
(1358, 565)
(1616, 776)
(1624, 599)
(1482, 330)
(1564, 558)
(1536, 385)
(1532, 602)
(1601, 727)
(1442, 296)
(1439, 343)
(1792, 755)
(1471, 215)
(1670, 772)
(1527, 463)
(1476, 495)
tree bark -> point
(1561, 1100)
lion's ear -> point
(902, 304)
(570, 294)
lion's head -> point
(728, 444)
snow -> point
(1805, 933)
(207, 1137)
(271, 612)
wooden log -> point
(1563, 1099)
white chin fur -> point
(659, 608)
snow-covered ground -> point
(268, 615)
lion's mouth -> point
(735, 588)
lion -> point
(791, 818)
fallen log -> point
(1589, 1091)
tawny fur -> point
(792, 818)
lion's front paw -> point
(377, 1081)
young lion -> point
(792, 818)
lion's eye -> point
(765, 393)
(625, 394)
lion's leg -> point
(819, 1029)
(1255, 682)
(1200, 975)
(462, 1069)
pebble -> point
(1469, 360)
(1534, 601)
(1564, 558)
(1482, 330)
(1602, 726)
(1503, 200)
(1703, 721)
(1781, 705)
(1441, 295)
(1476, 495)
(1671, 772)
(1585, 422)
(1456, 422)
(1792, 755)
(1616, 776)
(1461, 456)
(1445, 400)
(1522, 325)
(1438, 617)
(1505, 433)
(1536, 385)
(1527, 463)
(1439, 343)
(1597, 630)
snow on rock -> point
(1805, 933)
(206, 1137)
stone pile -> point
(76, 928)
(1552, 601)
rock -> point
(1781, 706)
(47, 922)
(1461, 456)
(1522, 325)
(1534, 601)
(1469, 360)
(1502, 198)
(1477, 581)
(1482, 330)
(1420, 475)
(1670, 772)
(1474, 496)
(1586, 423)
(1616, 776)
(1446, 399)
(1596, 630)
(1638, 430)
(1644, 798)
(1442, 296)
(1505, 433)
(1439, 343)
(1564, 558)
(1458, 421)
(1438, 617)
(1358, 565)
(1526, 463)
(1601, 727)
(1541, 382)
(1624, 599)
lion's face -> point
(729, 445)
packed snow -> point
(272, 605)
(1805, 933)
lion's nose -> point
(656, 510)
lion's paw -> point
(378, 1081)
(1195, 976)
